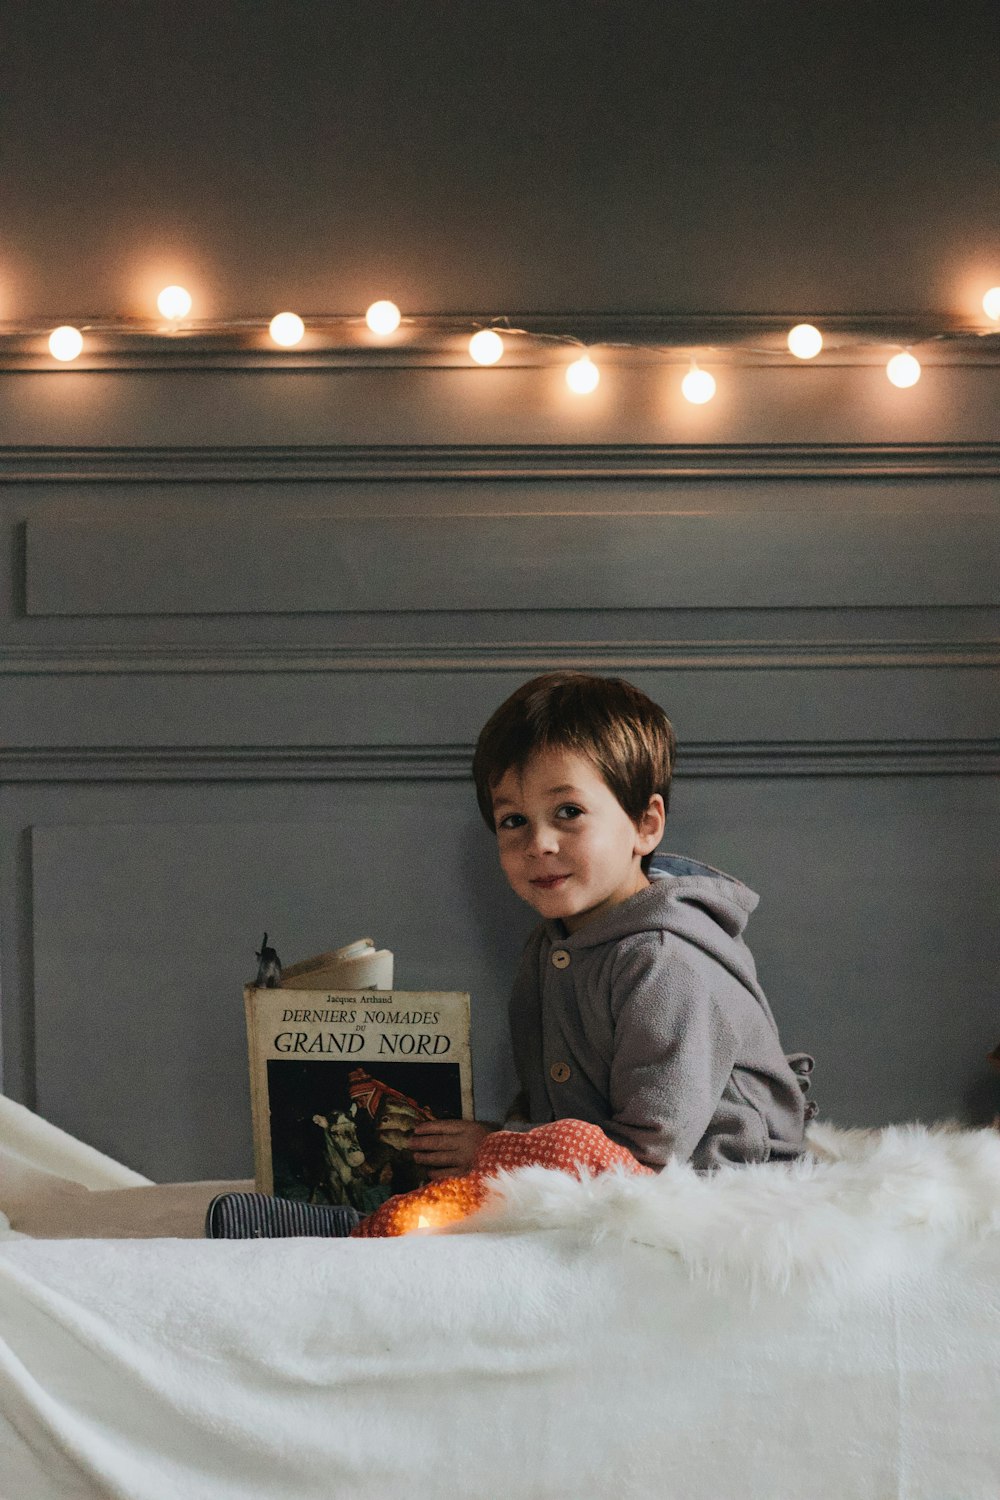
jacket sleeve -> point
(675, 1045)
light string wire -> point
(448, 326)
(831, 341)
(338, 334)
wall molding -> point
(520, 656)
(452, 762)
(319, 464)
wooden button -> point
(559, 1072)
(560, 958)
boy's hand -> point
(445, 1148)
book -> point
(338, 1079)
(358, 965)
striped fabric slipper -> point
(256, 1216)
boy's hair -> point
(626, 735)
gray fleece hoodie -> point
(649, 1022)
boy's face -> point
(566, 844)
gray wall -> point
(254, 611)
(641, 155)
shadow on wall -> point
(982, 1098)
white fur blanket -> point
(863, 1205)
(830, 1330)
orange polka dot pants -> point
(564, 1146)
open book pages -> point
(356, 966)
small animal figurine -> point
(268, 968)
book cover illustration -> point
(338, 1081)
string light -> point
(903, 370)
(65, 343)
(698, 386)
(287, 329)
(486, 347)
(735, 339)
(805, 341)
(383, 318)
(583, 376)
(174, 303)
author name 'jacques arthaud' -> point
(349, 1043)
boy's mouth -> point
(549, 882)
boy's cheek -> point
(522, 890)
(509, 868)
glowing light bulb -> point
(698, 386)
(991, 303)
(582, 376)
(174, 303)
(805, 341)
(486, 347)
(383, 318)
(286, 329)
(903, 370)
(65, 343)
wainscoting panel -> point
(138, 983)
(296, 565)
(251, 622)
(878, 952)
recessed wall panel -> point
(874, 939)
(144, 935)
(282, 565)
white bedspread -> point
(536, 1363)
(32, 1142)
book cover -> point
(339, 1079)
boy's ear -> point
(650, 825)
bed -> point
(829, 1330)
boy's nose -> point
(544, 840)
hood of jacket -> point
(693, 901)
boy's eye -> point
(512, 820)
(568, 810)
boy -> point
(636, 1005)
